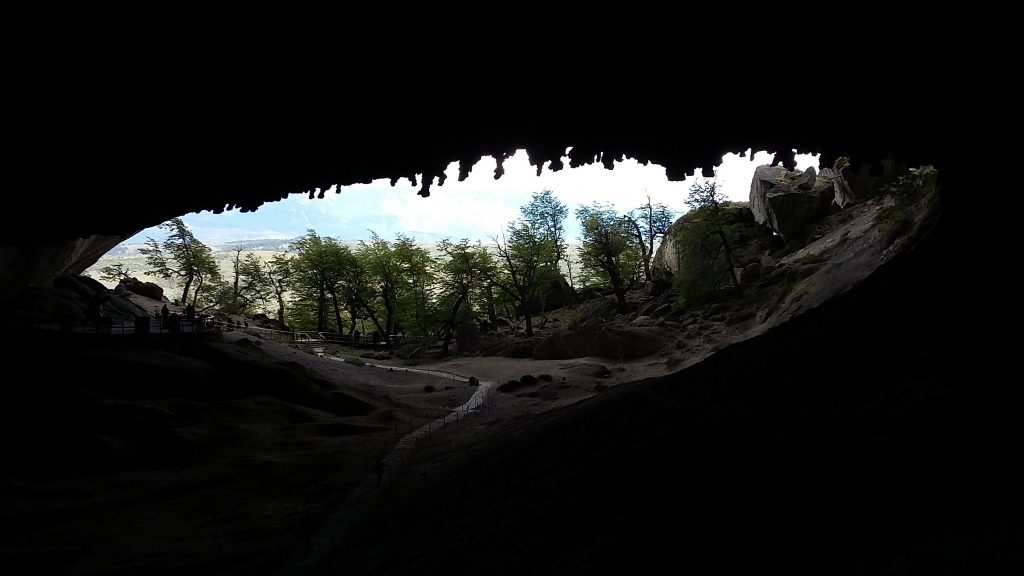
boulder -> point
(46, 304)
(556, 347)
(750, 273)
(136, 286)
(643, 321)
(788, 201)
(84, 286)
(123, 310)
(557, 294)
(467, 337)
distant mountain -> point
(263, 245)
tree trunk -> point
(728, 258)
(195, 294)
(617, 285)
(321, 311)
(373, 317)
(492, 316)
(447, 340)
(184, 293)
(280, 308)
(645, 253)
(337, 312)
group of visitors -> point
(172, 321)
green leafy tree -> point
(357, 291)
(707, 199)
(402, 277)
(278, 272)
(463, 269)
(317, 273)
(252, 288)
(704, 245)
(416, 295)
(384, 275)
(522, 265)
(181, 258)
(546, 213)
(607, 250)
(649, 222)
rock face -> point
(147, 289)
(71, 299)
(786, 201)
(37, 265)
(557, 294)
(616, 343)
(665, 264)
(843, 194)
(666, 257)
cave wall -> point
(38, 264)
(191, 110)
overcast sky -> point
(477, 208)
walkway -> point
(334, 529)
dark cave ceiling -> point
(132, 119)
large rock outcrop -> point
(71, 299)
(148, 289)
(556, 294)
(613, 342)
(39, 264)
(787, 201)
(667, 257)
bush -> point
(509, 386)
(355, 361)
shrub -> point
(355, 361)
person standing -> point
(379, 467)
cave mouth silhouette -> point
(393, 207)
(199, 114)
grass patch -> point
(355, 361)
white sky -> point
(477, 208)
